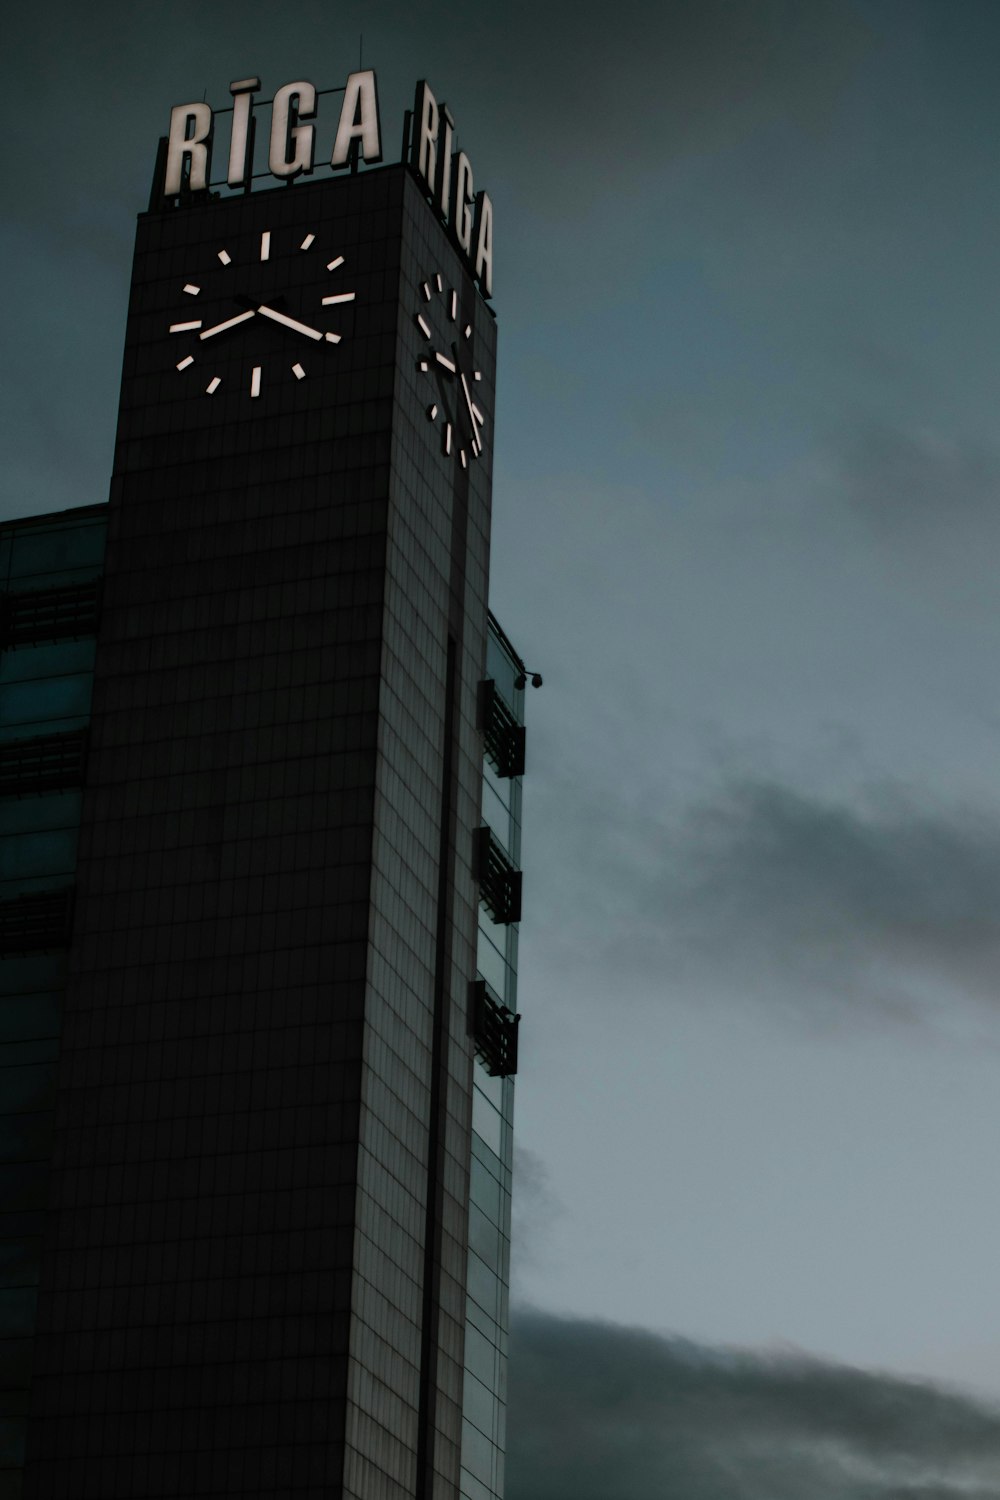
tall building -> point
(260, 790)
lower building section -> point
(255, 1115)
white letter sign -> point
(359, 121)
(425, 134)
(292, 145)
(193, 144)
(443, 172)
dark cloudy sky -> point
(747, 523)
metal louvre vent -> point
(58, 614)
(494, 1030)
(499, 880)
(45, 763)
(36, 923)
(504, 736)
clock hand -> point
(473, 414)
(296, 327)
(229, 323)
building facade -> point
(261, 751)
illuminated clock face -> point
(265, 309)
(454, 404)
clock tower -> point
(255, 1275)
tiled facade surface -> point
(255, 1272)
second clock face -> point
(447, 365)
(253, 284)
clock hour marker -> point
(423, 365)
(185, 362)
(185, 327)
(477, 374)
(333, 338)
(340, 297)
(298, 372)
(307, 242)
(225, 257)
(443, 359)
(432, 411)
(438, 282)
(478, 414)
(265, 245)
(447, 437)
(426, 289)
(213, 385)
(255, 381)
(454, 307)
(468, 330)
(465, 461)
(423, 327)
(191, 290)
(333, 264)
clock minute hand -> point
(208, 333)
(292, 323)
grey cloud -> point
(916, 479)
(600, 1412)
(862, 900)
(658, 78)
(767, 891)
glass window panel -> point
(23, 1185)
(44, 700)
(29, 814)
(478, 1404)
(28, 1089)
(482, 1153)
(55, 659)
(484, 1190)
(471, 1488)
(482, 1285)
(12, 1432)
(20, 1260)
(486, 1121)
(501, 786)
(497, 932)
(26, 1138)
(34, 1050)
(484, 1237)
(15, 1361)
(477, 1452)
(491, 1087)
(18, 1306)
(491, 965)
(496, 815)
(64, 554)
(47, 852)
(27, 1016)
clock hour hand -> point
(474, 417)
(208, 333)
(292, 323)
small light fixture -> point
(522, 679)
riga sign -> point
(444, 171)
